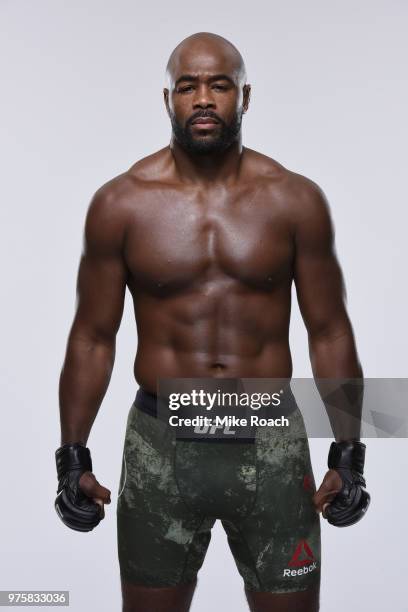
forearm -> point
(335, 361)
(84, 380)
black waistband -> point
(147, 402)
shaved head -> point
(205, 45)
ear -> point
(246, 97)
(166, 99)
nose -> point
(203, 98)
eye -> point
(185, 89)
(219, 87)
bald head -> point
(205, 51)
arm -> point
(333, 354)
(321, 296)
(101, 289)
(89, 360)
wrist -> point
(348, 454)
(72, 456)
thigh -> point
(301, 601)
(277, 546)
(161, 541)
(149, 599)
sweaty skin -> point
(208, 244)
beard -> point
(226, 133)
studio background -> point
(81, 101)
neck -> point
(205, 168)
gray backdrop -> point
(81, 101)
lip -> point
(205, 121)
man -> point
(208, 236)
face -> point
(205, 100)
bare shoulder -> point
(118, 191)
(262, 168)
(309, 210)
(301, 197)
(116, 200)
(153, 169)
(106, 216)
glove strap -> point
(348, 454)
(72, 456)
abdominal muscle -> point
(238, 334)
(156, 361)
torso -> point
(210, 272)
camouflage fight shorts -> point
(172, 491)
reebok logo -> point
(302, 555)
(303, 559)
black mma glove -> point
(352, 501)
(74, 508)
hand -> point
(98, 493)
(331, 485)
(342, 497)
(80, 498)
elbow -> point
(329, 333)
(92, 337)
(333, 353)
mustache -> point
(203, 115)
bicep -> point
(102, 274)
(318, 277)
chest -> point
(177, 241)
